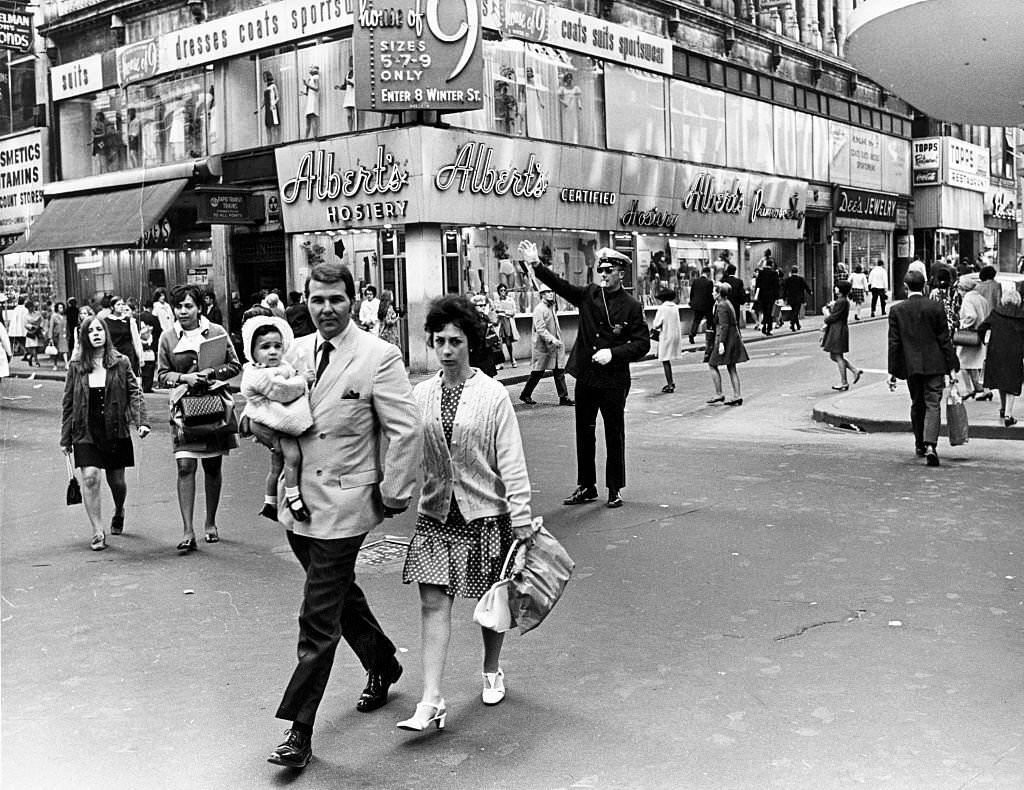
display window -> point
(861, 248)
(95, 272)
(295, 93)
(151, 123)
(675, 261)
(637, 121)
(489, 257)
(531, 90)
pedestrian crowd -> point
(348, 438)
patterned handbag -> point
(200, 412)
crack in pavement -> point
(855, 614)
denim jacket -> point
(122, 401)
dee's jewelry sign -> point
(417, 55)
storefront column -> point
(424, 280)
(220, 244)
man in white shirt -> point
(878, 284)
(368, 310)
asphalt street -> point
(780, 604)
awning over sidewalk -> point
(117, 218)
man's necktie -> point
(325, 358)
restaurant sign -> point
(418, 55)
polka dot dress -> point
(464, 558)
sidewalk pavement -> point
(870, 408)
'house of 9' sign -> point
(417, 54)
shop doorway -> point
(259, 264)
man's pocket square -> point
(350, 395)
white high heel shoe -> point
(424, 716)
(494, 687)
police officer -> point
(611, 334)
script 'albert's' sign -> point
(417, 54)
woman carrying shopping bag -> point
(474, 500)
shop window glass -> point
(637, 121)
(490, 259)
(862, 248)
(784, 129)
(22, 95)
(698, 123)
(540, 92)
(749, 141)
(803, 138)
(697, 67)
(785, 94)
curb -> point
(829, 412)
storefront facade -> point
(951, 178)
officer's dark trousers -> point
(611, 403)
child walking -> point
(277, 399)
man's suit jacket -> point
(348, 470)
(919, 342)
(702, 294)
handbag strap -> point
(67, 463)
(506, 566)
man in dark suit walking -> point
(766, 291)
(737, 293)
(795, 291)
(920, 351)
(702, 301)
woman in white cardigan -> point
(474, 499)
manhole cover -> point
(383, 552)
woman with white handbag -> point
(474, 499)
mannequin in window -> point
(571, 98)
(271, 118)
(506, 109)
(311, 88)
(99, 143)
(348, 100)
(134, 140)
(536, 103)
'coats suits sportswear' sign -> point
(418, 54)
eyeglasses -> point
(605, 269)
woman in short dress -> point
(836, 340)
(123, 332)
(35, 333)
(858, 287)
(101, 398)
(670, 334)
(726, 347)
(178, 363)
(474, 499)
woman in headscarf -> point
(974, 312)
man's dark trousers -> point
(876, 294)
(535, 376)
(698, 316)
(611, 403)
(333, 607)
(926, 407)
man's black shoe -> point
(375, 695)
(295, 752)
(566, 402)
(919, 452)
(614, 500)
(930, 456)
(527, 400)
(581, 495)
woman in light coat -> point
(974, 310)
(474, 499)
(670, 334)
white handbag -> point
(492, 610)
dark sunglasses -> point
(605, 268)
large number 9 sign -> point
(468, 30)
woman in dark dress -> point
(726, 347)
(178, 363)
(1004, 362)
(836, 340)
(101, 397)
(124, 334)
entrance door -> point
(391, 277)
(259, 263)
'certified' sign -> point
(417, 55)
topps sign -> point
(15, 31)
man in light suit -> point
(361, 396)
(548, 349)
(920, 351)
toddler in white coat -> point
(277, 398)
